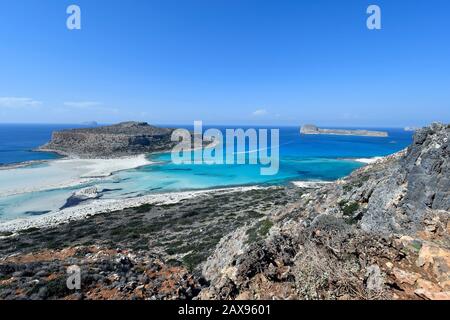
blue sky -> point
(226, 61)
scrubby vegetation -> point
(259, 231)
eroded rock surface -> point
(123, 139)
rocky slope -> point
(383, 232)
(148, 252)
(123, 139)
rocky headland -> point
(381, 233)
(119, 140)
(312, 129)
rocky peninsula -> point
(312, 129)
(114, 141)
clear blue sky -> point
(226, 61)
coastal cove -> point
(302, 158)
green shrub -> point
(348, 187)
(56, 288)
(29, 230)
(144, 208)
(259, 231)
(348, 208)
(192, 260)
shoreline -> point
(363, 160)
(103, 206)
(27, 163)
(311, 184)
(24, 164)
(89, 170)
(69, 172)
(369, 160)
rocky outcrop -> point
(105, 274)
(123, 139)
(82, 195)
(312, 129)
(418, 182)
(381, 233)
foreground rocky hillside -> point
(381, 233)
(123, 139)
(154, 251)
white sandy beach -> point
(108, 205)
(63, 173)
(368, 160)
(71, 172)
(310, 184)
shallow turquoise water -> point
(301, 158)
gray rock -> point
(406, 188)
(42, 273)
(17, 274)
(374, 278)
(43, 292)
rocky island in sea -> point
(312, 129)
(381, 233)
(114, 141)
(412, 129)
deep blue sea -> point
(310, 157)
(17, 141)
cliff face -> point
(383, 232)
(128, 138)
(414, 185)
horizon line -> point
(221, 124)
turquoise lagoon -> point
(322, 157)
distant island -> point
(411, 129)
(119, 140)
(90, 123)
(312, 129)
